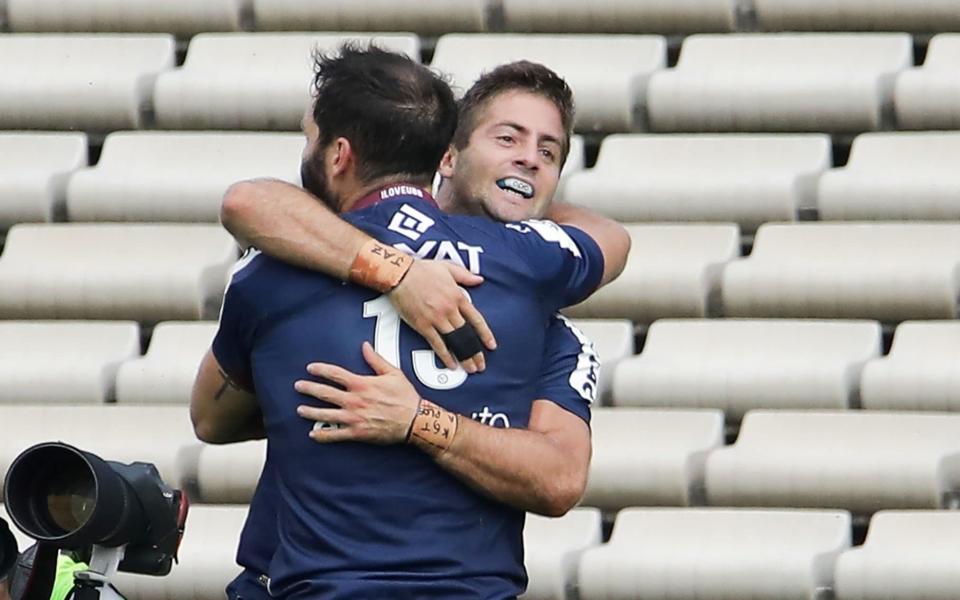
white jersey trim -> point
(585, 378)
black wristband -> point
(463, 342)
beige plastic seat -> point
(207, 559)
(251, 80)
(552, 549)
(672, 271)
(184, 17)
(857, 15)
(33, 174)
(166, 373)
(691, 554)
(747, 179)
(180, 176)
(87, 82)
(926, 97)
(66, 362)
(920, 373)
(154, 434)
(895, 176)
(423, 16)
(620, 16)
(884, 271)
(836, 83)
(650, 457)
(606, 98)
(613, 340)
(859, 461)
(906, 556)
(738, 365)
(223, 474)
(146, 273)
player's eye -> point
(548, 154)
(507, 139)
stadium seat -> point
(857, 15)
(650, 457)
(893, 176)
(154, 434)
(606, 98)
(165, 374)
(883, 271)
(747, 179)
(146, 273)
(859, 461)
(206, 559)
(672, 271)
(180, 176)
(33, 174)
(920, 373)
(552, 549)
(906, 556)
(620, 16)
(182, 17)
(67, 362)
(613, 340)
(251, 80)
(836, 83)
(87, 82)
(739, 365)
(423, 17)
(692, 554)
(218, 474)
(926, 97)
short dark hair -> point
(519, 76)
(398, 115)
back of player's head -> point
(519, 76)
(398, 115)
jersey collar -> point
(395, 190)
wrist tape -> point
(433, 425)
(379, 267)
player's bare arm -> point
(289, 223)
(221, 410)
(611, 236)
(541, 469)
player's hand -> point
(432, 302)
(376, 409)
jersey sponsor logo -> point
(400, 190)
(550, 232)
(410, 222)
(446, 250)
(485, 417)
(586, 377)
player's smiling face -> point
(510, 168)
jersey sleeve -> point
(571, 369)
(233, 341)
(566, 262)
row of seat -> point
(184, 17)
(839, 83)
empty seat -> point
(926, 97)
(860, 461)
(836, 82)
(251, 80)
(147, 176)
(747, 179)
(424, 16)
(87, 82)
(33, 174)
(920, 373)
(650, 457)
(857, 15)
(906, 556)
(146, 273)
(219, 474)
(738, 365)
(552, 549)
(206, 559)
(606, 98)
(613, 340)
(165, 374)
(620, 16)
(884, 271)
(895, 176)
(184, 17)
(63, 362)
(672, 271)
(717, 554)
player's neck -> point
(386, 188)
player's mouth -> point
(516, 186)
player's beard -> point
(314, 180)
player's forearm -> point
(292, 225)
(221, 412)
(611, 236)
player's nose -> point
(527, 157)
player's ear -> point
(341, 156)
(448, 163)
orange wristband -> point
(379, 267)
(433, 425)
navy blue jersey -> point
(358, 520)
